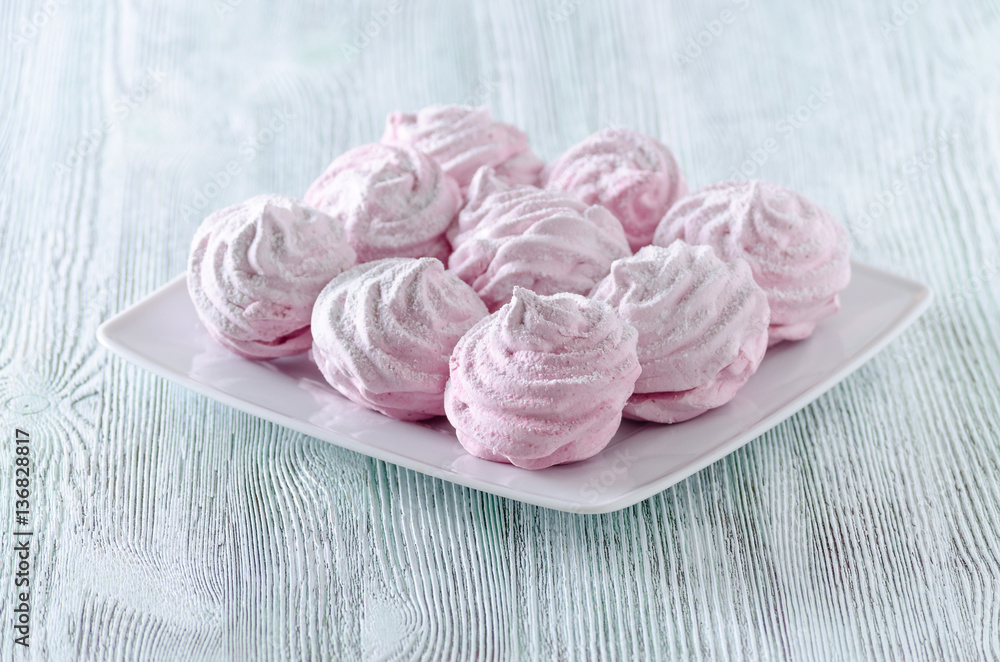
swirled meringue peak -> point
(393, 200)
(256, 268)
(546, 241)
(633, 175)
(542, 381)
(383, 332)
(797, 251)
(702, 326)
(464, 138)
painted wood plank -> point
(167, 526)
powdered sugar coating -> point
(384, 331)
(464, 138)
(702, 327)
(393, 200)
(256, 268)
(542, 381)
(798, 252)
(633, 175)
(522, 236)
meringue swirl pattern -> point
(384, 330)
(542, 381)
(256, 268)
(464, 138)
(797, 251)
(522, 236)
(393, 200)
(702, 323)
(633, 175)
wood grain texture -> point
(168, 526)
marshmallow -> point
(545, 241)
(542, 381)
(702, 327)
(383, 332)
(797, 251)
(394, 201)
(256, 268)
(633, 175)
(462, 139)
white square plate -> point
(162, 333)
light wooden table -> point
(167, 526)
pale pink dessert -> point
(633, 175)
(394, 201)
(383, 332)
(702, 327)
(462, 139)
(542, 381)
(797, 251)
(522, 236)
(256, 268)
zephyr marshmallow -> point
(633, 175)
(256, 268)
(522, 236)
(702, 327)
(797, 251)
(542, 381)
(394, 201)
(462, 139)
(384, 331)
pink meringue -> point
(798, 252)
(633, 175)
(256, 268)
(394, 201)
(702, 327)
(462, 139)
(542, 381)
(383, 332)
(545, 241)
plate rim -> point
(922, 299)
